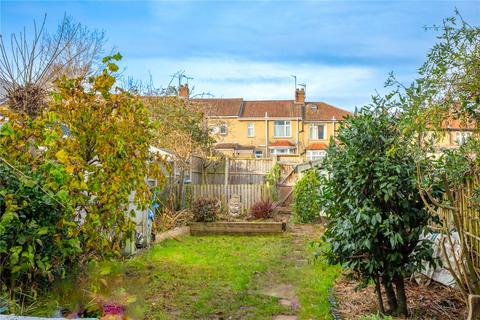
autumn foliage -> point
(78, 163)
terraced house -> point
(294, 130)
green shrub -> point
(371, 198)
(262, 210)
(306, 205)
(205, 210)
(37, 237)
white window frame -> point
(313, 131)
(250, 130)
(282, 151)
(461, 137)
(283, 125)
(313, 155)
(223, 130)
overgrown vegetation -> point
(82, 158)
(306, 205)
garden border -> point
(239, 228)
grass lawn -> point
(214, 277)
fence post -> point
(227, 167)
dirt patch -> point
(434, 301)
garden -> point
(386, 209)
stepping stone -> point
(282, 291)
(293, 304)
(285, 302)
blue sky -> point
(342, 50)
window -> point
(313, 155)
(250, 130)
(462, 137)
(258, 154)
(317, 132)
(282, 151)
(223, 129)
(282, 129)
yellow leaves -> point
(62, 157)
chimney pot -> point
(183, 91)
(300, 95)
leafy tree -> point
(306, 204)
(180, 129)
(96, 138)
(371, 197)
(448, 90)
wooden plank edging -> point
(240, 228)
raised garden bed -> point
(241, 228)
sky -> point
(341, 50)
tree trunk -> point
(391, 298)
(378, 291)
(180, 190)
(401, 297)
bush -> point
(306, 203)
(262, 209)
(205, 210)
(37, 238)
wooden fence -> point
(468, 213)
(248, 193)
(229, 171)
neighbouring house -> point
(290, 129)
(455, 133)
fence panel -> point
(240, 171)
(468, 215)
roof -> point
(274, 109)
(281, 143)
(323, 112)
(317, 146)
(234, 146)
(457, 124)
(220, 107)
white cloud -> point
(345, 86)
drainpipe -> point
(334, 121)
(266, 134)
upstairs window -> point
(317, 132)
(282, 129)
(250, 130)
(462, 137)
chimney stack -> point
(300, 95)
(183, 91)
